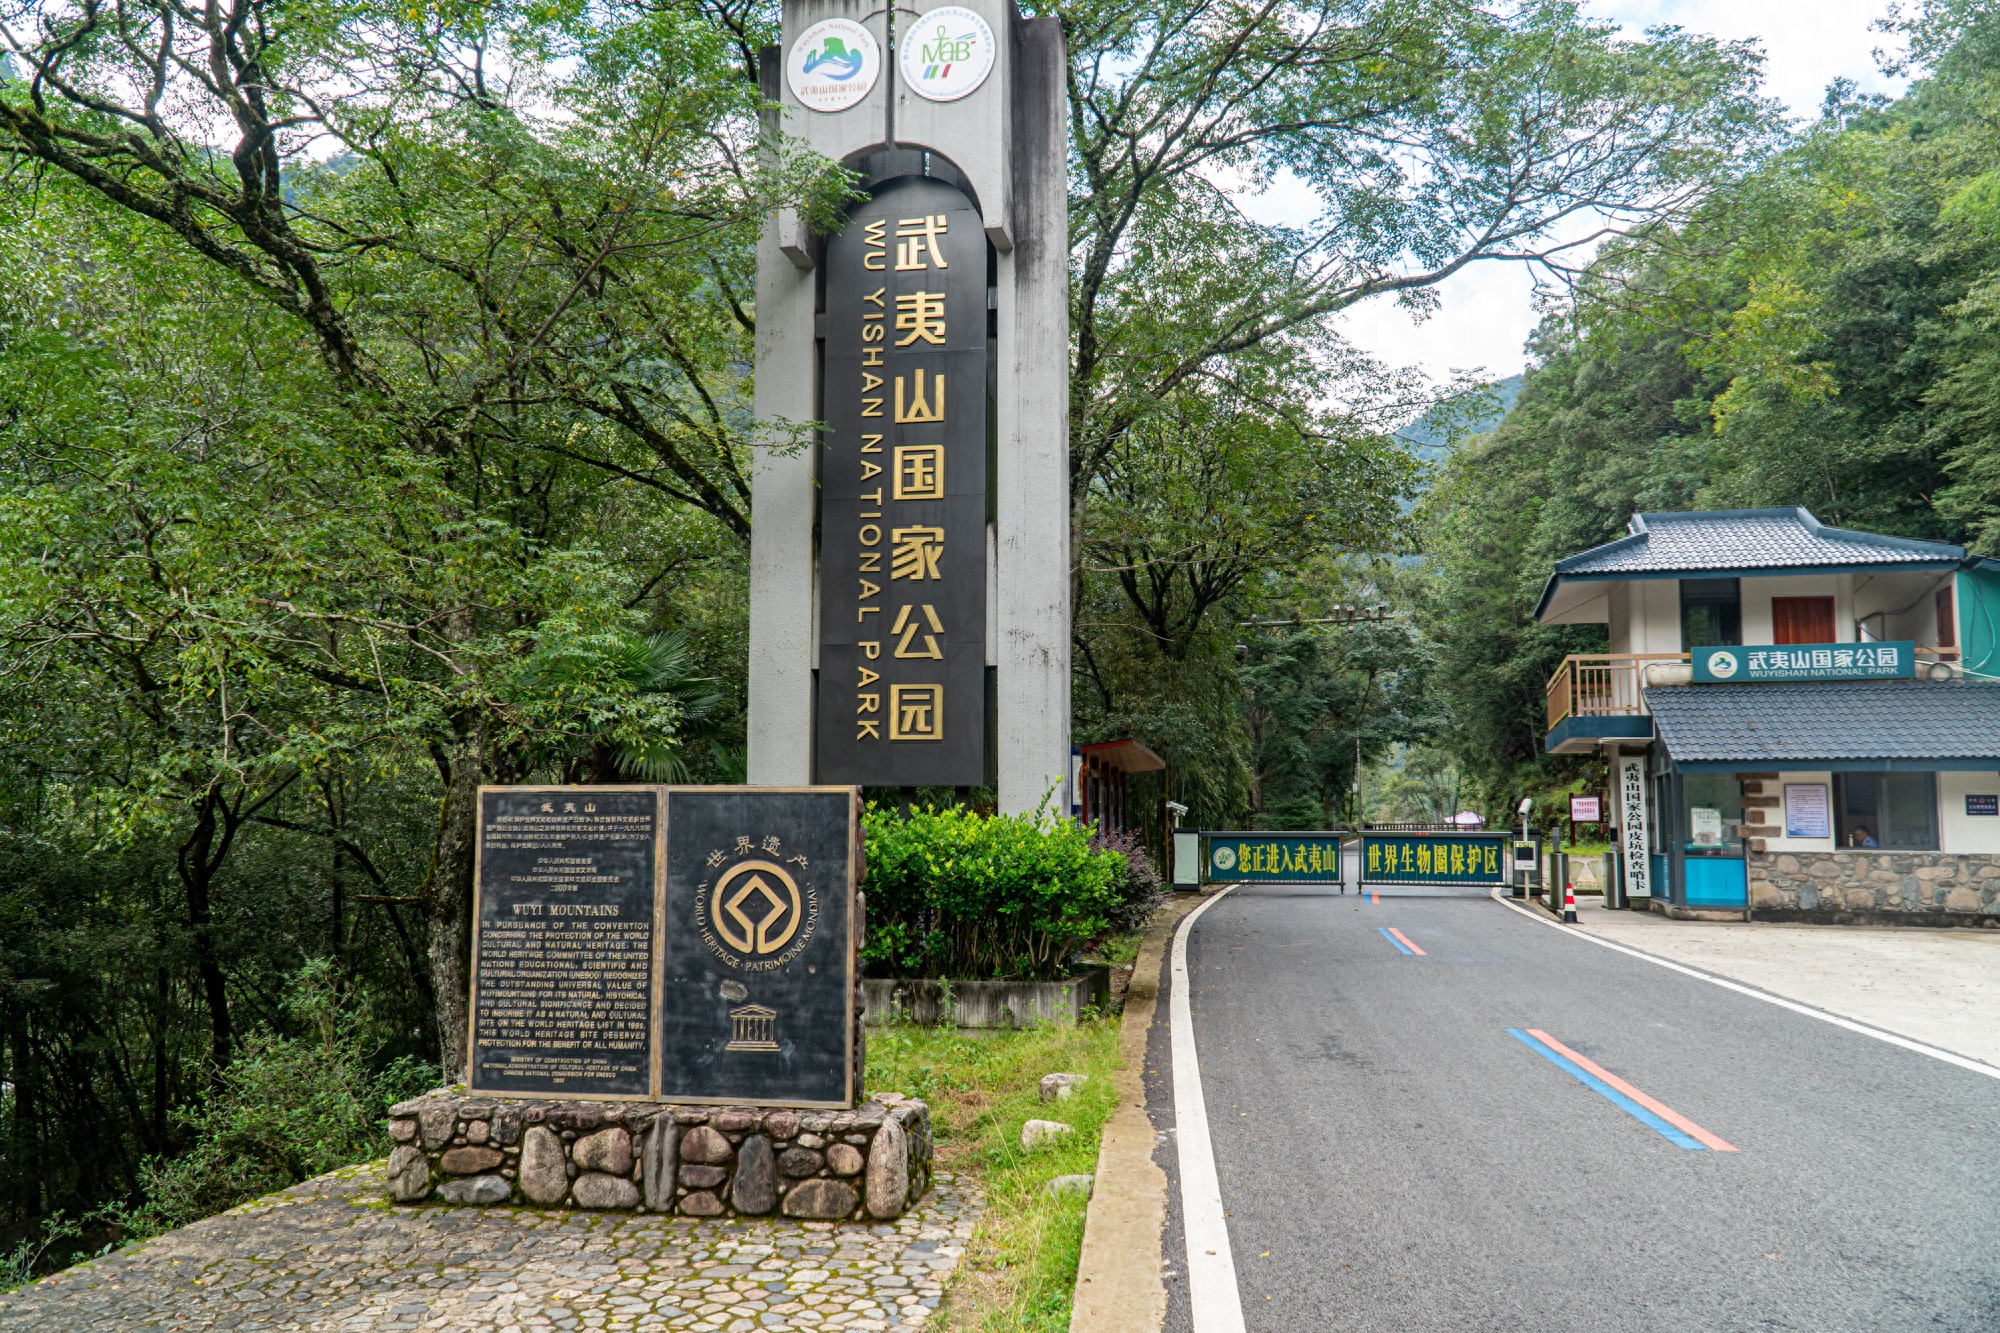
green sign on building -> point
(1422, 858)
(1300, 858)
(1805, 661)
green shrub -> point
(954, 894)
(289, 1109)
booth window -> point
(1711, 613)
(1711, 810)
(1896, 810)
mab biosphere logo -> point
(945, 54)
(833, 65)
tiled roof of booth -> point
(1835, 721)
(1726, 540)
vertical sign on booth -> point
(902, 684)
(1632, 826)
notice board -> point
(694, 944)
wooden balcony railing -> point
(1601, 685)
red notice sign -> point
(1586, 809)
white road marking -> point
(1934, 1052)
(1211, 1269)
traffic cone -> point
(1569, 903)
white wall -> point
(1957, 832)
(1895, 592)
(1776, 841)
(1656, 618)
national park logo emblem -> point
(1225, 858)
(946, 53)
(754, 914)
(833, 65)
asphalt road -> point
(1391, 1159)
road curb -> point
(1118, 1284)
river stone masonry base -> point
(699, 1161)
(1876, 887)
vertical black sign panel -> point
(562, 957)
(757, 992)
(902, 683)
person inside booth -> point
(1859, 836)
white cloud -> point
(1486, 312)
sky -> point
(1488, 310)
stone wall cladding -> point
(1934, 888)
(867, 1164)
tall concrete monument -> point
(909, 595)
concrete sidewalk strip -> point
(1118, 1283)
(1825, 1014)
(1937, 985)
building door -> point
(1802, 620)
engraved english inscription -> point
(562, 971)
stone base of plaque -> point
(700, 1161)
(985, 1004)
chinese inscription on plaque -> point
(563, 956)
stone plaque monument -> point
(566, 898)
(688, 944)
(758, 1000)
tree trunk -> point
(197, 870)
(450, 907)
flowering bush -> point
(955, 894)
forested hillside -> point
(1823, 331)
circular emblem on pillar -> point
(833, 65)
(946, 53)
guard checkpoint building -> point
(1802, 722)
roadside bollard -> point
(1569, 903)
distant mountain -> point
(1430, 436)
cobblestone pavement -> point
(333, 1254)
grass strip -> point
(1019, 1273)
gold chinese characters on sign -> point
(916, 550)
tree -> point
(1819, 332)
(1225, 441)
(523, 295)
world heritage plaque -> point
(566, 902)
(760, 936)
(691, 944)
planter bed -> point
(985, 1004)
